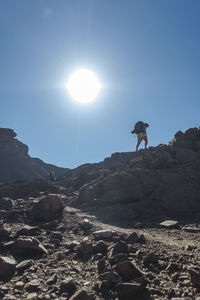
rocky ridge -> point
(163, 181)
(15, 162)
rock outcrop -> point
(15, 162)
(163, 181)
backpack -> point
(139, 127)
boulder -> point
(6, 203)
(129, 291)
(47, 208)
(7, 267)
(128, 270)
(26, 247)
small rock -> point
(27, 230)
(135, 237)
(120, 247)
(33, 285)
(52, 280)
(169, 224)
(190, 247)
(195, 276)
(68, 285)
(86, 224)
(172, 267)
(191, 229)
(150, 258)
(100, 247)
(106, 285)
(19, 285)
(6, 203)
(111, 276)
(23, 265)
(4, 232)
(101, 266)
(31, 296)
(118, 258)
(85, 249)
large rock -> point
(80, 295)
(103, 234)
(85, 249)
(129, 291)
(188, 140)
(6, 203)
(110, 276)
(120, 186)
(7, 267)
(47, 208)
(26, 247)
(128, 270)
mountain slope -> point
(15, 162)
(163, 181)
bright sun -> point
(83, 86)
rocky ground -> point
(125, 228)
(53, 251)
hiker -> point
(140, 129)
(52, 176)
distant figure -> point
(52, 176)
(140, 129)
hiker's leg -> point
(146, 141)
(138, 143)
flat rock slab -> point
(129, 290)
(191, 229)
(169, 224)
(103, 234)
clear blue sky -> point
(145, 52)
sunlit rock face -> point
(15, 162)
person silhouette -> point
(140, 129)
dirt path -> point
(177, 238)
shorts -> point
(142, 135)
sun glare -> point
(83, 86)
